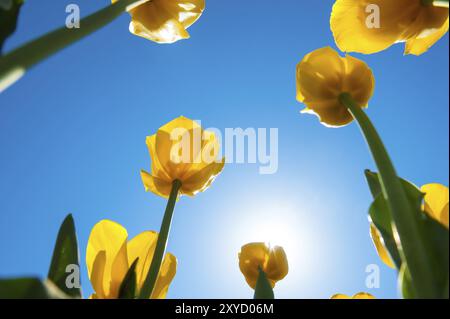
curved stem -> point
(403, 214)
(13, 65)
(152, 275)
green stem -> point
(14, 64)
(263, 288)
(161, 244)
(404, 217)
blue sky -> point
(72, 139)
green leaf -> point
(29, 288)
(405, 284)
(9, 12)
(434, 235)
(263, 288)
(127, 288)
(374, 183)
(66, 254)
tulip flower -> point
(360, 295)
(184, 162)
(164, 21)
(109, 256)
(337, 89)
(435, 204)
(370, 26)
(322, 76)
(182, 151)
(259, 259)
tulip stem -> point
(14, 64)
(263, 288)
(152, 275)
(405, 219)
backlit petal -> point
(436, 202)
(251, 257)
(109, 237)
(165, 276)
(379, 246)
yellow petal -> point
(363, 295)
(119, 269)
(354, 30)
(277, 266)
(164, 21)
(360, 295)
(109, 237)
(379, 246)
(349, 23)
(436, 202)
(322, 76)
(143, 247)
(96, 275)
(165, 276)
(156, 185)
(157, 168)
(251, 257)
(201, 180)
(340, 296)
(177, 145)
(418, 46)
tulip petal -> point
(436, 202)
(251, 257)
(154, 22)
(155, 185)
(418, 46)
(379, 246)
(340, 296)
(201, 180)
(109, 237)
(352, 29)
(157, 168)
(165, 276)
(177, 145)
(363, 295)
(97, 273)
(143, 247)
(277, 265)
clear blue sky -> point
(72, 139)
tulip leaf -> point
(127, 288)
(29, 288)
(9, 12)
(405, 283)
(434, 236)
(65, 265)
(263, 288)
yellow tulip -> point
(356, 27)
(435, 204)
(181, 150)
(322, 76)
(360, 295)
(109, 256)
(272, 260)
(164, 21)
